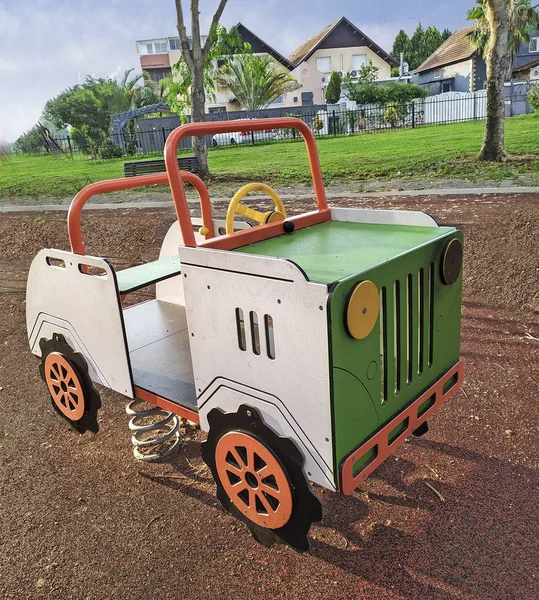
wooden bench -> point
(135, 278)
(146, 167)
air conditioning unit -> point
(342, 73)
(353, 73)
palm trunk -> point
(497, 60)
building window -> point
(161, 48)
(278, 100)
(175, 44)
(437, 73)
(149, 48)
(358, 60)
(534, 44)
(158, 74)
(216, 109)
(323, 64)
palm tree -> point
(255, 81)
(523, 21)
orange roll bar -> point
(194, 129)
(115, 185)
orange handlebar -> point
(176, 178)
(193, 129)
(115, 185)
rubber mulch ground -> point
(79, 518)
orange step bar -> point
(380, 441)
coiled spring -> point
(153, 429)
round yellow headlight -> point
(362, 310)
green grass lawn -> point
(435, 152)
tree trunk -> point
(195, 55)
(497, 59)
(198, 115)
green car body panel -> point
(416, 338)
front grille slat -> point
(406, 331)
(411, 327)
(431, 315)
(390, 343)
(422, 322)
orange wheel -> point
(64, 386)
(254, 479)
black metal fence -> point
(150, 136)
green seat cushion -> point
(140, 276)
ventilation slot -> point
(431, 314)
(421, 322)
(255, 332)
(397, 339)
(383, 345)
(270, 338)
(240, 327)
(409, 328)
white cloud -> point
(58, 45)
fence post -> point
(413, 114)
(69, 144)
(511, 90)
(334, 125)
(164, 136)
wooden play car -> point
(307, 347)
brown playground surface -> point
(452, 515)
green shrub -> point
(391, 115)
(318, 124)
(333, 91)
(109, 149)
(533, 97)
(88, 139)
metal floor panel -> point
(152, 321)
(159, 350)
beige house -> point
(340, 47)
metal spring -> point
(169, 424)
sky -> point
(48, 45)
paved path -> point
(9, 208)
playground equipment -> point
(308, 347)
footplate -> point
(411, 417)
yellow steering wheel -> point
(235, 208)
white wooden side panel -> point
(383, 217)
(218, 283)
(82, 307)
(171, 290)
(227, 396)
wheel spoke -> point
(250, 459)
(55, 370)
(252, 499)
(235, 470)
(269, 490)
(262, 472)
(71, 402)
(265, 503)
(237, 458)
(250, 213)
(238, 487)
